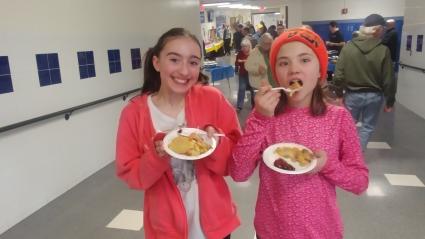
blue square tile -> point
(90, 57)
(133, 53)
(136, 64)
(137, 53)
(53, 60)
(111, 67)
(55, 76)
(91, 71)
(82, 59)
(6, 84)
(83, 72)
(4, 65)
(117, 55)
(42, 62)
(111, 55)
(118, 67)
(44, 77)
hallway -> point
(392, 208)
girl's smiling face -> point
(297, 62)
(178, 64)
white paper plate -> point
(186, 131)
(269, 157)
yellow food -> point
(294, 86)
(302, 156)
(192, 145)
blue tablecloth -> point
(221, 72)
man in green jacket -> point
(364, 70)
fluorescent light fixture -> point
(216, 4)
(239, 6)
(277, 13)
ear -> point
(155, 63)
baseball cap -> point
(374, 20)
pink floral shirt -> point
(301, 206)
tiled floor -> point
(392, 208)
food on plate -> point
(295, 86)
(192, 145)
(295, 154)
(282, 164)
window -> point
(135, 58)
(114, 61)
(86, 64)
(48, 69)
(5, 77)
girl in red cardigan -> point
(183, 199)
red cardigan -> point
(141, 168)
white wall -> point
(40, 162)
(320, 10)
(411, 84)
(317, 10)
(295, 12)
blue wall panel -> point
(347, 27)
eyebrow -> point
(300, 55)
(179, 55)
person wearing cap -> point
(303, 205)
(364, 71)
(336, 40)
(257, 64)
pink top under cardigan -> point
(301, 206)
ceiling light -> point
(216, 4)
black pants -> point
(226, 46)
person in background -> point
(237, 38)
(260, 31)
(257, 64)
(243, 74)
(182, 198)
(263, 28)
(247, 35)
(303, 205)
(364, 70)
(336, 40)
(280, 29)
(227, 38)
(272, 31)
(390, 39)
(250, 27)
(308, 27)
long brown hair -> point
(317, 103)
(152, 79)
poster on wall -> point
(219, 21)
(419, 43)
(409, 43)
(202, 17)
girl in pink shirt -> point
(305, 205)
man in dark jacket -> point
(237, 38)
(336, 40)
(364, 70)
(390, 39)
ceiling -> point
(265, 3)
